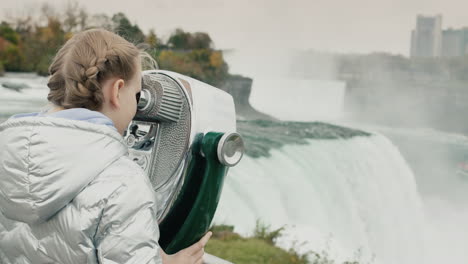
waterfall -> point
(354, 198)
(31, 97)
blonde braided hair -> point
(84, 63)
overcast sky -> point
(329, 25)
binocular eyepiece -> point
(184, 136)
(161, 99)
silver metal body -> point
(174, 111)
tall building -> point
(426, 38)
(455, 42)
(452, 43)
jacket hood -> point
(45, 162)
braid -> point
(84, 62)
(85, 89)
(56, 81)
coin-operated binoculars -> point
(184, 137)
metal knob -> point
(230, 149)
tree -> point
(8, 33)
(38, 40)
(47, 12)
(200, 40)
(202, 64)
(124, 28)
(10, 56)
(100, 21)
(152, 40)
(179, 39)
(182, 40)
(74, 17)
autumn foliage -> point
(28, 43)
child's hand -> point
(191, 255)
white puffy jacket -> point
(70, 194)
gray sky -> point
(330, 25)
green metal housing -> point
(192, 213)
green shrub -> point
(252, 250)
(224, 233)
(262, 231)
(258, 249)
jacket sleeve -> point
(128, 230)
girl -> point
(68, 191)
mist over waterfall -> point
(348, 197)
(397, 196)
(291, 84)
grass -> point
(259, 248)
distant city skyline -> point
(360, 26)
(426, 38)
(430, 39)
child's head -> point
(98, 70)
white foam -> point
(32, 98)
(341, 196)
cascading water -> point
(354, 197)
(27, 93)
(349, 197)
